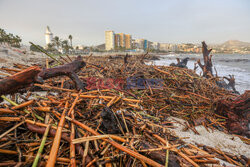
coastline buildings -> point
(141, 44)
(123, 42)
(121, 39)
(183, 48)
(128, 41)
(109, 40)
(48, 36)
(155, 45)
(117, 41)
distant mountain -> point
(101, 47)
(235, 43)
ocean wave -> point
(234, 60)
(171, 55)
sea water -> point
(225, 65)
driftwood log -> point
(126, 59)
(207, 70)
(207, 67)
(231, 83)
(160, 156)
(181, 63)
(19, 80)
(34, 74)
(143, 57)
(69, 70)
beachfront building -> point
(141, 44)
(48, 36)
(117, 41)
(168, 47)
(138, 43)
(121, 39)
(155, 45)
(145, 44)
(122, 42)
(128, 41)
(164, 47)
(109, 40)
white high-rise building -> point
(48, 36)
(109, 40)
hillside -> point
(235, 43)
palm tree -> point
(57, 42)
(65, 45)
(2, 35)
(70, 39)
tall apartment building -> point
(109, 40)
(117, 41)
(122, 39)
(128, 41)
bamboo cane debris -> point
(114, 125)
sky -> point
(165, 21)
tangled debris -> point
(180, 63)
(237, 112)
(111, 124)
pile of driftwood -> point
(102, 111)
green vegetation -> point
(58, 45)
(66, 46)
(10, 39)
(57, 42)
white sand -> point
(216, 139)
(10, 55)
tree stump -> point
(207, 67)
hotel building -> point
(117, 41)
(128, 41)
(122, 39)
(109, 40)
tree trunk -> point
(19, 80)
(34, 74)
(207, 67)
